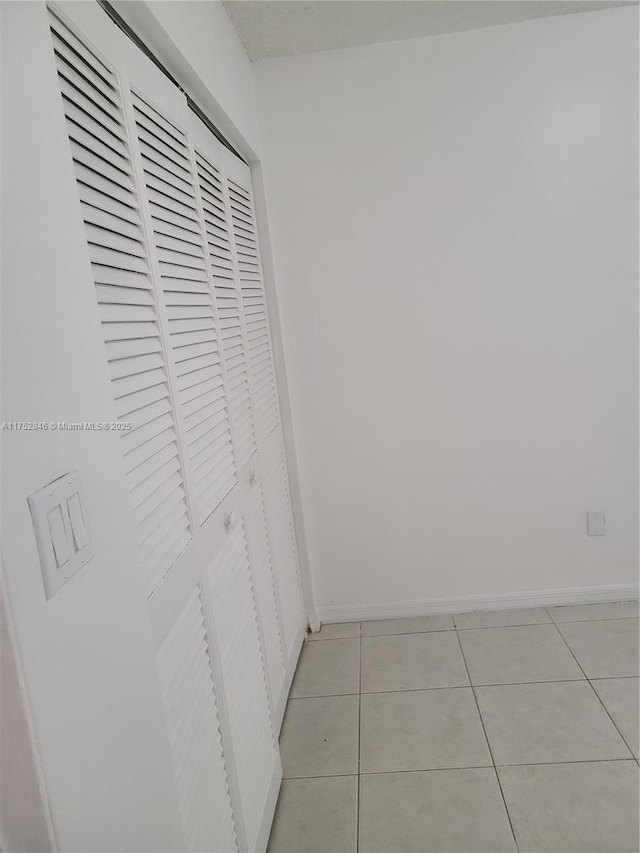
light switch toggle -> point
(59, 536)
(62, 532)
(78, 530)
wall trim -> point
(286, 416)
(462, 604)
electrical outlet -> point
(596, 523)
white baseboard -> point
(464, 604)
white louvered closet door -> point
(187, 295)
(265, 588)
(254, 307)
(191, 708)
(173, 252)
(232, 602)
(228, 301)
(146, 252)
(247, 347)
(273, 468)
(124, 290)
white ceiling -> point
(270, 28)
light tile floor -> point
(507, 731)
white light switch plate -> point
(596, 523)
(62, 531)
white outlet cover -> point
(596, 523)
(62, 531)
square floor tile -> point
(448, 811)
(416, 625)
(319, 737)
(620, 698)
(502, 618)
(573, 808)
(338, 631)
(327, 669)
(316, 816)
(540, 723)
(412, 662)
(606, 649)
(421, 730)
(516, 655)
(584, 612)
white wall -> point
(454, 224)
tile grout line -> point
(575, 621)
(455, 769)
(493, 761)
(466, 686)
(588, 680)
(476, 628)
(540, 624)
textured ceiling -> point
(270, 28)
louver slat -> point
(283, 547)
(263, 581)
(238, 641)
(228, 304)
(265, 396)
(97, 135)
(188, 300)
(194, 733)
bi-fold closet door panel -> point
(173, 252)
(122, 274)
(247, 352)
